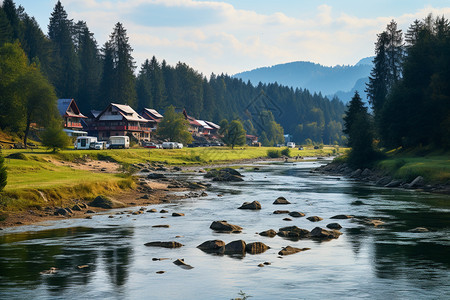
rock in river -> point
(281, 200)
(224, 226)
(226, 174)
(291, 250)
(341, 217)
(237, 247)
(182, 264)
(296, 214)
(164, 244)
(251, 205)
(256, 248)
(269, 233)
(323, 234)
(334, 226)
(215, 246)
(314, 219)
(278, 212)
(293, 232)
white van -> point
(168, 145)
(119, 142)
(290, 145)
(84, 142)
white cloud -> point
(231, 40)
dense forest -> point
(408, 90)
(69, 59)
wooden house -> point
(72, 117)
(152, 116)
(120, 119)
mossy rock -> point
(106, 202)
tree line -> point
(71, 60)
(408, 91)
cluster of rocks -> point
(154, 166)
(296, 233)
(380, 178)
(226, 174)
(234, 247)
(67, 211)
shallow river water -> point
(386, 262)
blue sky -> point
(231, 36)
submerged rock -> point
(164, 244)
(269, 233)
(278, 212)
(341, 217)
(175, 214)
(251, 205)
(296, 214)
(182, 264)
(334, 226)
(323, 234)
(214, 246)
(419, 229)
(256, 248)
(291, 250)
(314, 219)
(224, 226)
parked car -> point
(150, 145)
(290, 145)
(300, 148)
(99, 145)
(119, 142)
(168, 145)
(84, 142)
(178, 146)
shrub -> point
(286, 152)
(273, 153)
(18, 155)
(3, 173)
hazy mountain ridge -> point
(340, 80)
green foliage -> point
(286, 152)
(3, 174)
(174, 127)
(234, 134)
(274, 153)
(55, 138)
(357, 125)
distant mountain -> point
(339, 80)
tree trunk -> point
(27, 130)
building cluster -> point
(121, 120)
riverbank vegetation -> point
(40, 178)
(410, 99)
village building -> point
(72, 117)
(251, 140)
(204, 129)
(118, 120)
(215, 128)
(153, 118)
(193, 124)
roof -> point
(191, 120)
(153, 112)
(65, 104)
(204, 124)
(126, 112)
(213, 125)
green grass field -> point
(34, 174)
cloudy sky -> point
(231, 36)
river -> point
(365, 262)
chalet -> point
(251, 140)
(72, 117)
(152, 116)
(193, 124)
(120, 119)
(215, 128)
(204, 129)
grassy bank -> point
(39, 178)
(434, 167)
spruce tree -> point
(64, 74)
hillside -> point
(314, 77)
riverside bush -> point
(273, 153)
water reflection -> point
(77, 253)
